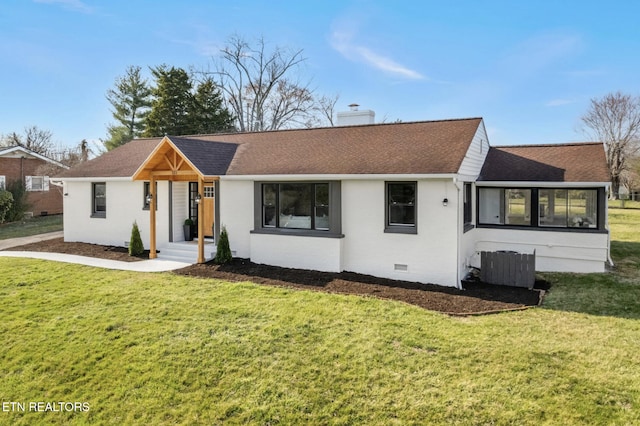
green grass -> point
(627, 204)
(165, 349)
(33, 226)
(168, 349)
(615, 293)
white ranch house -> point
(410, 201)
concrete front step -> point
(186, 251)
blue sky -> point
(528, 68)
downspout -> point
(606, 209)
(458, 234)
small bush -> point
(20, 204)
(223, 251)
(6, 201)
(136, 248)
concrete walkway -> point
(154, 265)
(14, 242)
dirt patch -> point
(476, 297)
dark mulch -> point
(57, 245)
(476, 297)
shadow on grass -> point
(615, 293)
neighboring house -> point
(19, 163)
(410, 201)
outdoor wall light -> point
(149, 198)
(198, 198)
(445, 202)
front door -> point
(207, 199)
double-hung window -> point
(36, 183)
(401, 214)
(99, 199)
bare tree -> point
(261, 86)
(326, 107)
(33, 138)
(615, 121)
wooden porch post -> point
(152, 218)
(201, 221)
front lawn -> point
(167, 349)
(31, 226)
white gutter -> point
(519, 184)
(292, 177)
(94, 179)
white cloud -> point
(76, 5)
(558, 102)
(342, 42)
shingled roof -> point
(574, 162)
(426, 147)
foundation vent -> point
(400, 267)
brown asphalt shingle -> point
(121, 162)
(419, 147)
(574, 162)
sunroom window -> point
(504, 206)
(568, 208)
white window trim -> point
(28, 183)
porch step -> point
(186, 251)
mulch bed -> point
(476, 298)
(57, 245)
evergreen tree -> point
(208, 113)
(172, 103)
(130, 99)
(223, 250)
(136, 248)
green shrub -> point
(20, 204)
(223, 251)
(136, 248)
(6, 201)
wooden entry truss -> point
(167, 162)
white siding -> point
(475, 156)
(124, 206)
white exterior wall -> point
(315, 253)
(555, 251)
(124, 206)
(236, 214)
(430, 255)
